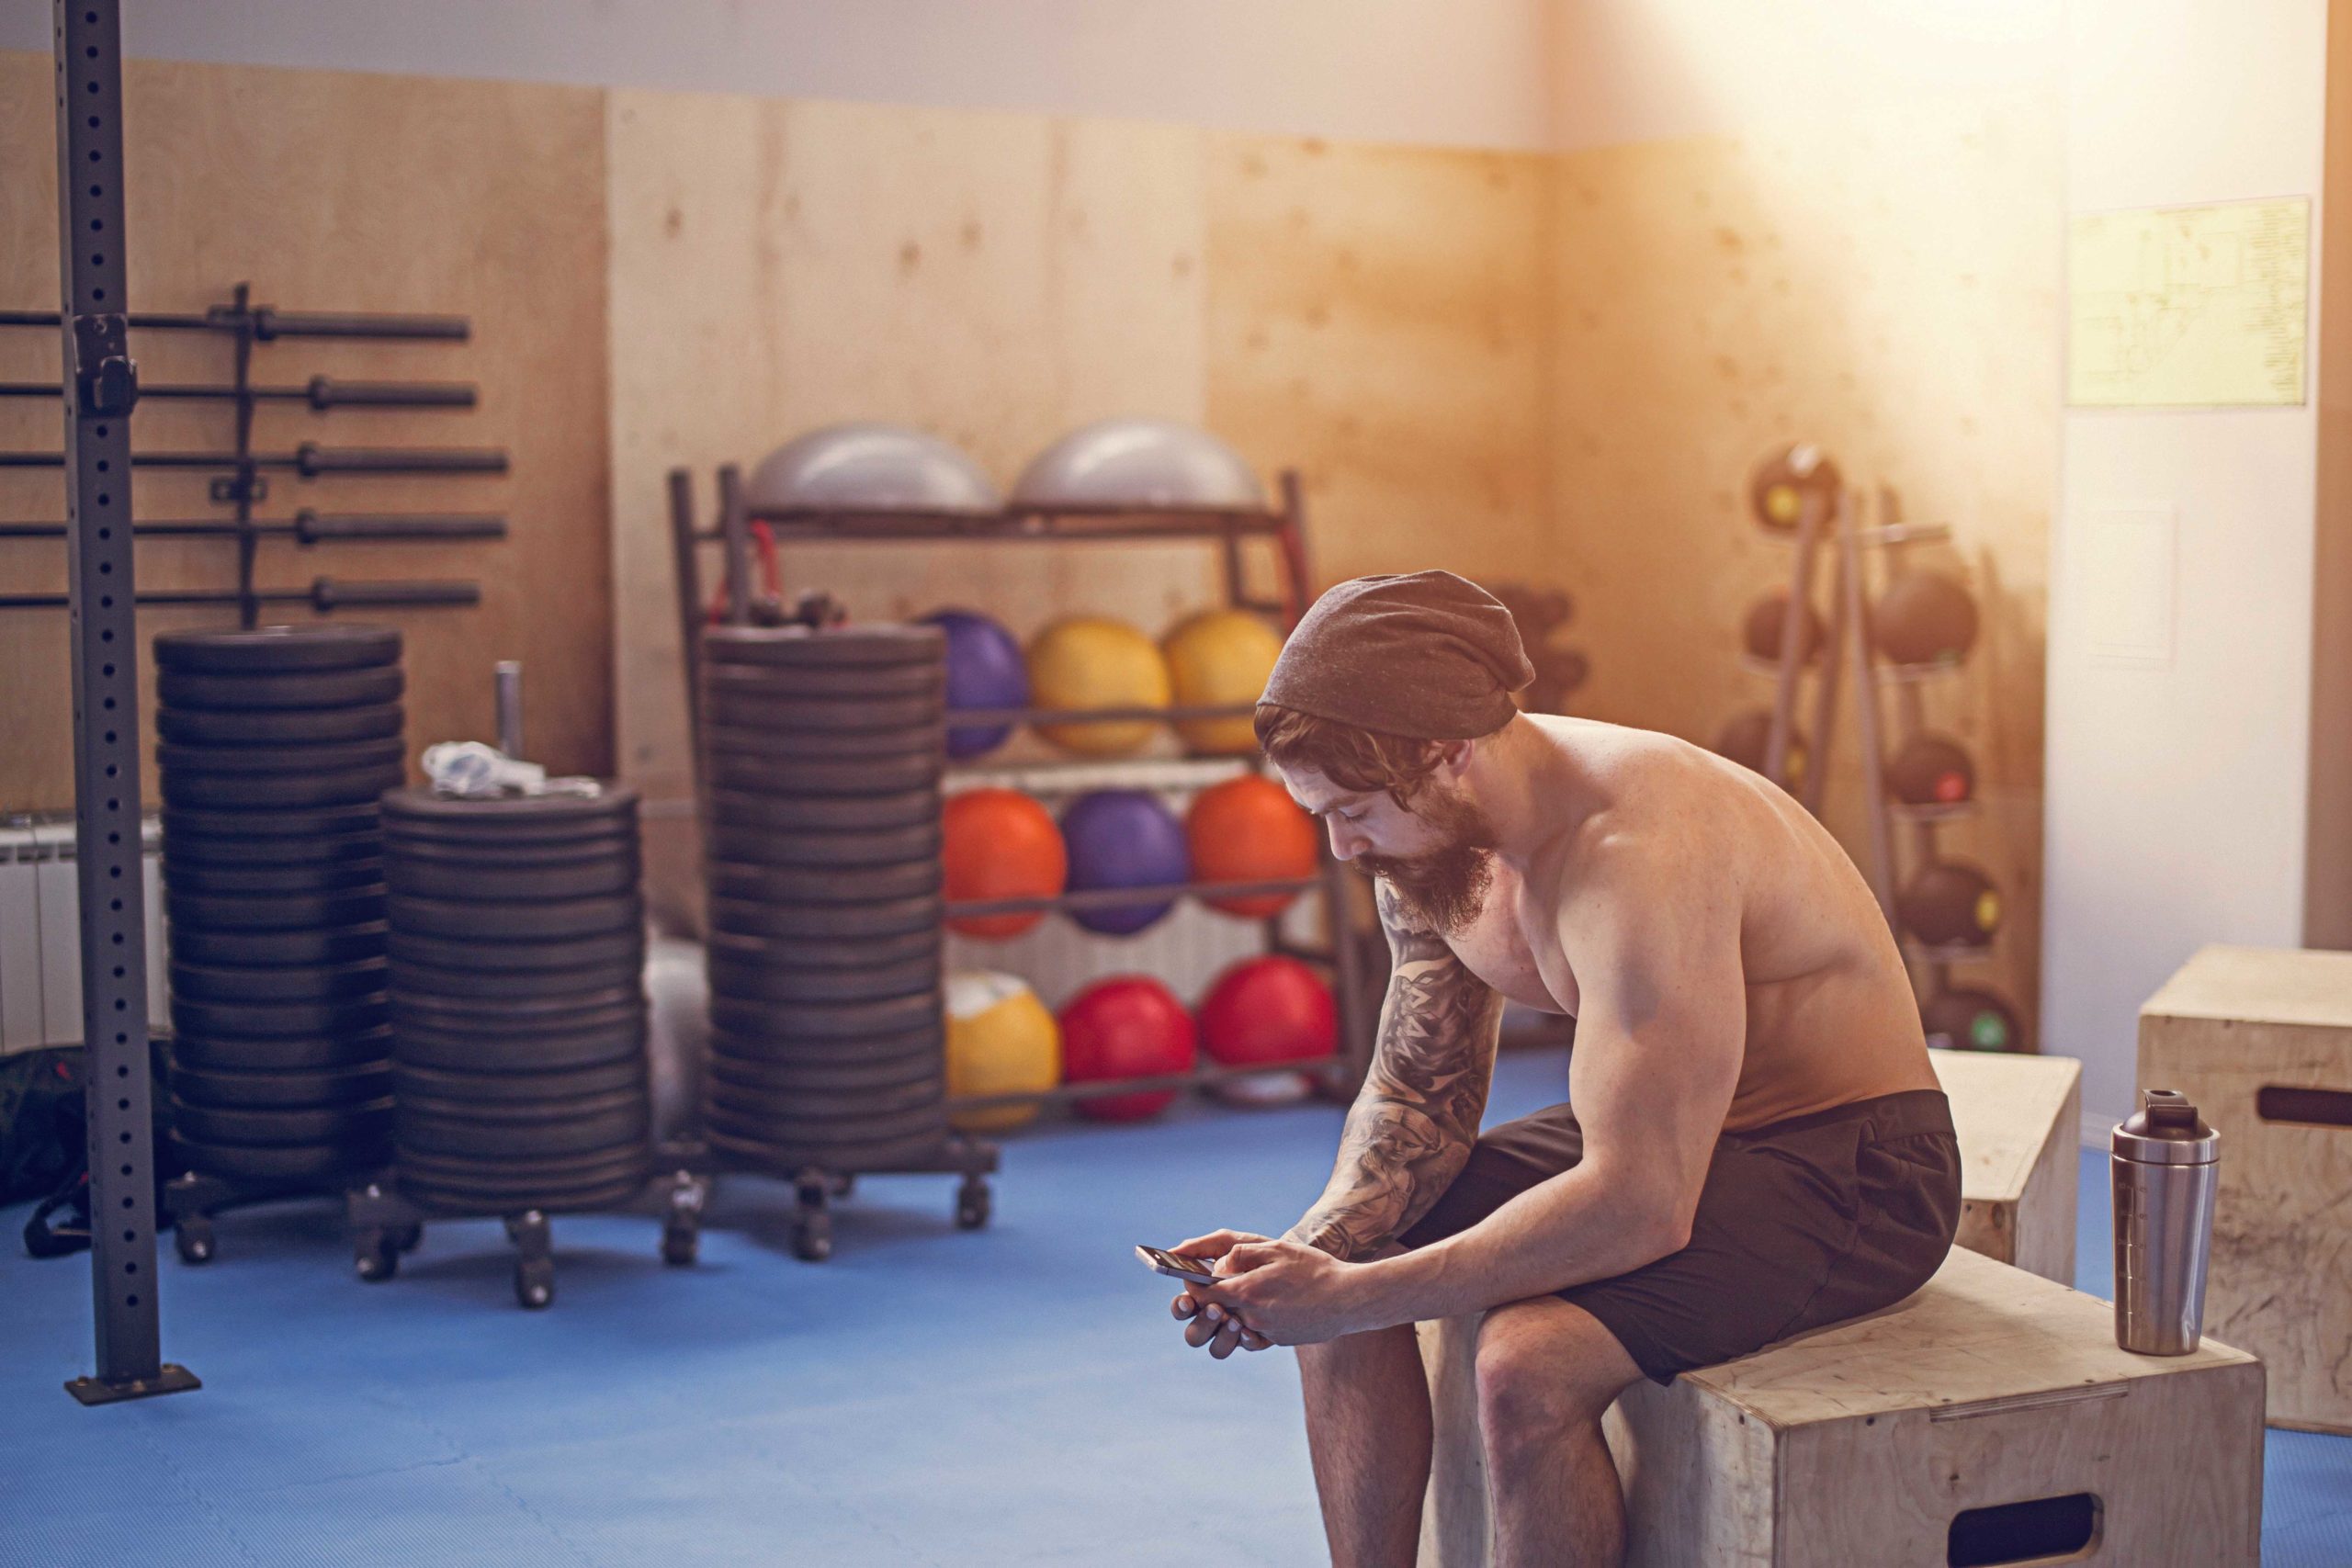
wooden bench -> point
(2260, 1041)
(1988, 1420)
(2019, 1121)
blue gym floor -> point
(928, 1396)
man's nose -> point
(1345, 845)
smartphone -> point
(1200, 1269)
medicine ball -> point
(1787, 480)
(1967, 1019)
(1932, 770)
(1268, 1010)
(1123, 838)
(1766, 618)
(1220, 658)
(1091, 661)
(998, 844)
(1744, 738)
(985, 670)
(1249, 829)
(1124, 1027)
(1000, 1040)
(1925, 618)
(1949, 901)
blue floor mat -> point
(928, 1396)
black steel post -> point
(101, 387)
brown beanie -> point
(1425, 654)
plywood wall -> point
(1886, 285)
(341, 192)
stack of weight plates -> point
(273, 745)
(518, 1002)
(823, 754)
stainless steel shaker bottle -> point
(2165, 1166)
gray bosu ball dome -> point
(869, 466)
(1139, 462)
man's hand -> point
(1216, 1327)
(1289, 1292)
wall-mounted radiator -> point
(40, 934)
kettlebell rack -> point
(1850, 646)
(242, 477)
(1282, 527)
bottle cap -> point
(2166, 1130)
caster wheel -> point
(812, 1238)
(535, 1288)
(406, 1237)
(679, 1245)
(193, 1241)
(972, 1204)
(844, 1185)
(374, 1257)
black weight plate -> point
(213, 791)
(914, 682)
(865, 746)
(274, 911)
(764, 1077)
(592, 1010)
(818, 1133)
(733, 707)
(272, 1054)
(337, 756)
(439, 1134)
(823, 1021)
(588, 1199)
(556, 840)
(888, 846)
(311, 645)
(611, 849)
(927, 1040)
(897, 1153)
(787, 922)
(560, 1170)
(779, 776)
(874, 1102)
(183, 875)
(327, 1125)
(247, 949)
(857, 953)
(279, 982)
(187, 690)
(810, 884)
(498, 1089)
(732, 977)
(271, 727)
(581, 879)
(555, 1051)
(861, 645)
(826, 813)
(326, 821)
(323, 1163)
(223, 852)
(518, 919)
(257, 1090)
(618, 951)
(535, 1111)
(431, 982)
(517, 814)
(280, 1020)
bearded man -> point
(1758, 1147)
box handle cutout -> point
(2312, 1107)
(2040, 1531)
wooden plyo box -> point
(1993, 1403)
(2260, 1041)
(2019, 1120)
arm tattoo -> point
(1411, 1130)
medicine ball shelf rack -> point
(1830, 515)
(1282, 527)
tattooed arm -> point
(1411, 1130)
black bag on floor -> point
(43, 1147)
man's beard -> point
(1447, 885)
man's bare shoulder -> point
(1663, 812)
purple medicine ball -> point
(984, 671)
(1123, 838)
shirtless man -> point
(1759, 1146)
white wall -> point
(1444, 72)
(2175, 794)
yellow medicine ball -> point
(1000, 1040)
(1092, 662)
(1220, 658)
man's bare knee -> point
(1545, 1368)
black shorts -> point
(1801, 1224)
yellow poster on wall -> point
(2196, 306)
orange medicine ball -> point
(1000, 845)
(1249, 829)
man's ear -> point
(1452, 757)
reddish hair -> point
(1354, 758)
